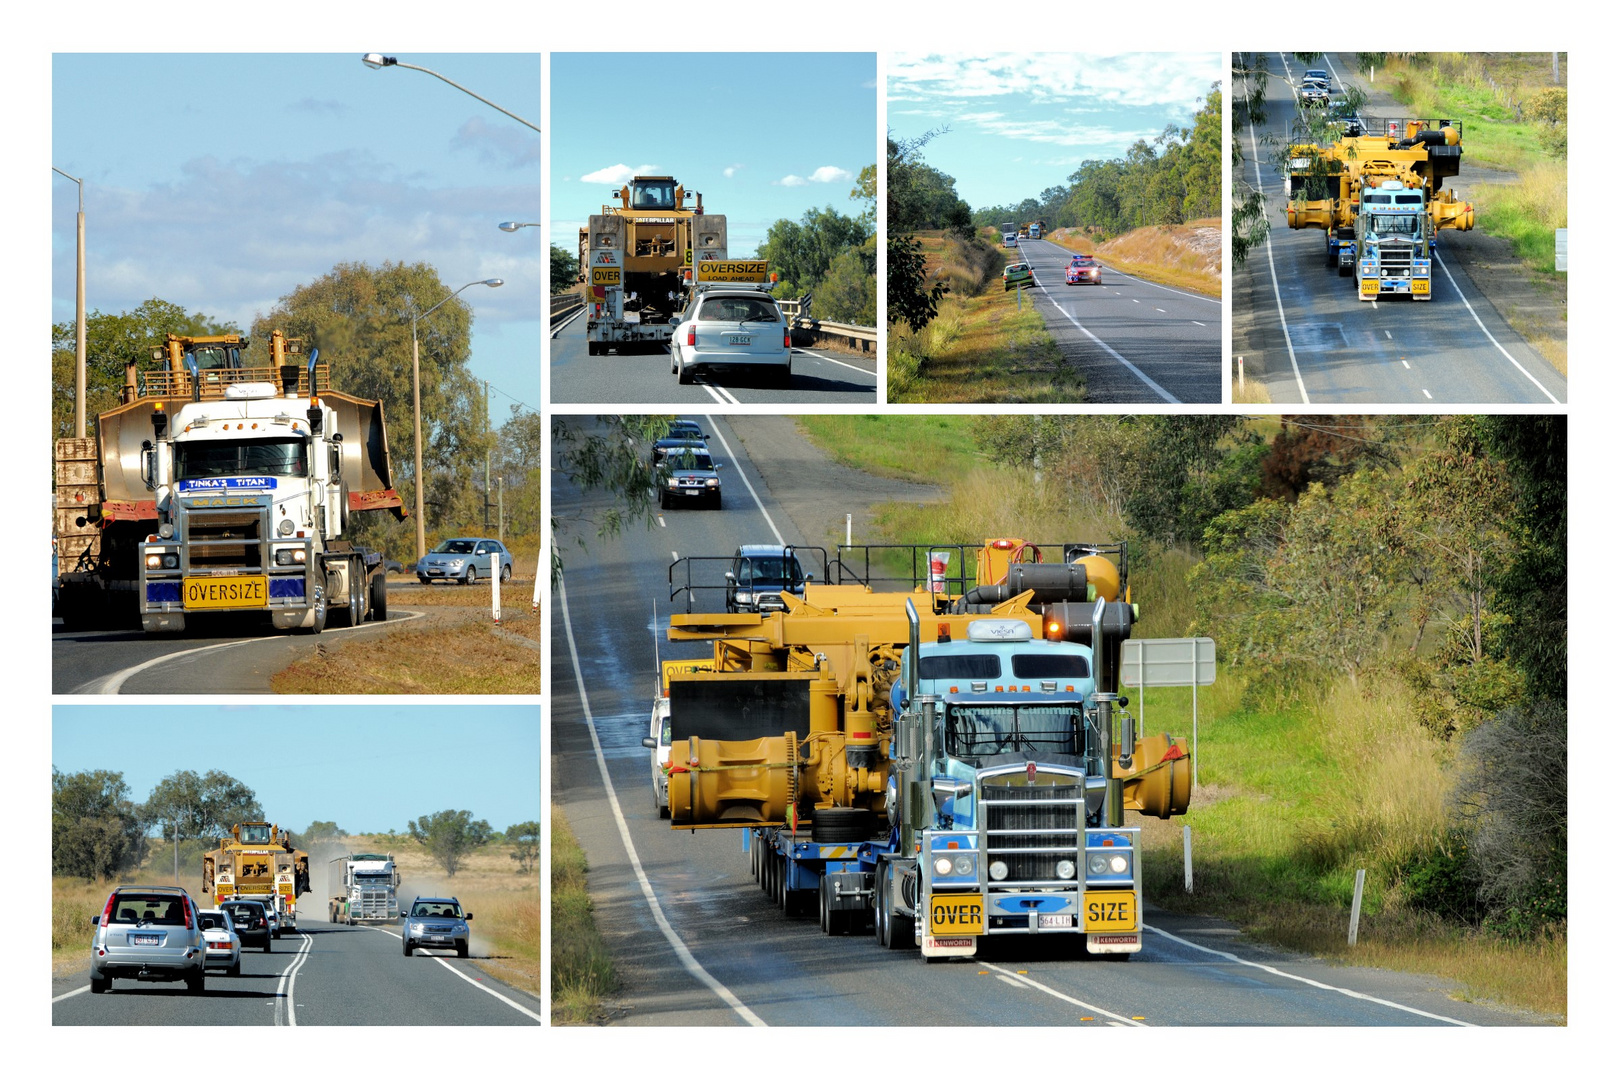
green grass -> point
(581, 967)
(889, 445)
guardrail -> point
(564, 305)
(863, 336)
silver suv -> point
(151, 933)
(436, 922)
(759, 575)
(732, 326)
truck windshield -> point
(653, 195)
(979, 731)
(261, 457)
(1394, 225)
(255, 834)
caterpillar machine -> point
(636, 260)
(258, 862)
(942, 790)
(1377, 196)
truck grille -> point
(224, 539)
(1395, 259)
(1031, 828)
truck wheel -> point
(1344, 271)
(1332, 253)
(379, 596)
(821, 904)
(840, 824)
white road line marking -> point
(1010, 981)
(70, 993)
(1389, 335)
(1308, 982)
(720, 394)
(1160, 310)
(1428, 395)
(451, 969)
(840, 363)
(1134, 370)
(564, 324)
(1091, 1009)
(744, 478)
(1282, 316)
(285, 985)
(1488, 334)
(662, 524)
(1195, 322)
(114, 683)
(688, 961)
(1407, 366)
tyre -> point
(267, 943)
(99, 985)
(840, 824)
(784, 378)
(422, 578)
(1344, 271)
(235, 969)
(470, 577)
(461, 949)
(194, 983)
(506, 574)
(716, 504)
(683, 373)
(379, 596)
(663, 500)
(591, 349)
(407, 946)
(1332, 254)
(822, 904)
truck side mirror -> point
(148, 466)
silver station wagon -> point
(732, 326)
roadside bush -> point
(1442, 879)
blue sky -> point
(1020, 123)
(223, 182)
(370, 768)
(766, 136)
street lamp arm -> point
(389, 61)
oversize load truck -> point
(940, 791)
(1378, 199)
(636, 261)
(365, 889)
(258, 862)
(216, 487)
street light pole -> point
(416, 398)
(378, 61)
(79, 376)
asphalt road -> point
(697, 943)
(1133, 340)
(577, 377)
(322, 975)
(1304, 327)
(224, 656)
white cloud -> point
(830, 174)
(731, 170)
(618, 174)
(1135, 79)
(792, 181)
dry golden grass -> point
(469, 655)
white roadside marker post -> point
(1355, 906)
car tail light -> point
(186, 906)
(787, 337)
(106, 912)
(691, 333)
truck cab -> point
(1015, 839)
(1392, 242)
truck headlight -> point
(1065, 869)
(942, 867)
(963, 865)
(1107, 864)
(998, 870)
(285, 528)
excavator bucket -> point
(365, 453)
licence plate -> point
(1110, 911)
(739, 339)
(1054, 922)
(145, 939)
(955, 914)
(226, 592)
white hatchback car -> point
(223, 948)
(729, 326)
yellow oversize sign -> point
(732, 270)
(226, 592)
(1111, 910)
(604, 275)
(956, 915)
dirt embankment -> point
(1187, 255)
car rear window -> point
(737, 309)
(148, 908)
(211, 922)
